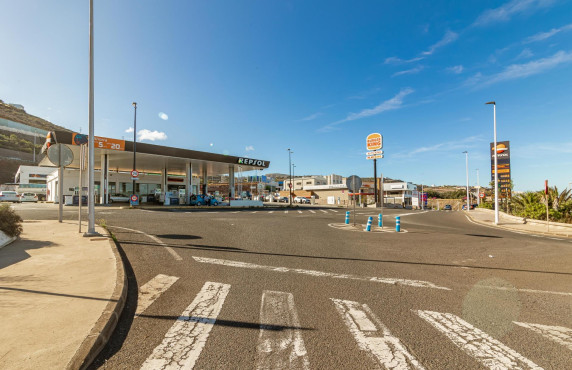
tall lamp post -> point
(290, 167)
(91, 155)
(496, 162)
(478, 188)
(467, 167)
(134, 140)
(293, 174)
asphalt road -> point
(299, 289)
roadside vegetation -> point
(532, 204)
(10, 222)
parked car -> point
(28, 197)
(447, 207)
(282, 199)
(471, 206)
(9, 196)
(298, 199)
(119, 198)
(305, 200)
(203, 200)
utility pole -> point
(495, 155)
(134, 141)
(478, 188)
(467, 167)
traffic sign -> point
(374, 156)
(134, 175)
(134, 200)
(290, 185)
(481, 195)
(60, 155)
(353, 183)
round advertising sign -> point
(374, 141)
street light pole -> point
(422, 198)
(293, 174)
(91, 154)
(467, 167)
(496, 162)
(134, 141)
(290, 167)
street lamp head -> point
(465, 152)
(491, 102)
(134, 104)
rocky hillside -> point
(18, 115)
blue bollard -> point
(369, 221)
(398, 223)
(380, 220)
(347, 217)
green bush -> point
(10, 222)
(486, 205)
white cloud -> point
(311, 117)
(448, 38)
(456, 69)
(129, 130)
(249, 148)
(163, 116)
(444, 147)
(391, 104)
(525, 54)
(516, 71)
(408, 71)
(505, 12)
(545, 35)
(396, 60)
(150, 135)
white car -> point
(9, 196)
(119, 198)
(28, 197)
(302, 200)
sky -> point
(254, 78)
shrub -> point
(10, 222)
(486, 205)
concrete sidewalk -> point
(514, 223)
(60, 296)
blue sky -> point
(257, 77)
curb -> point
(8, 240)
(519, 230)
(105, 325)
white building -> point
(398, 193)
(300, 183)
(33, 179)
(334, 179)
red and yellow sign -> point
(374, 141)
(99, 142)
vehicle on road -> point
(298, 199)
(447, 207)
(28, 197)
(471, 206)
(282, 199)
(9, 196)
(118, 198)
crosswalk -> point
(275, 212)
(280, 343)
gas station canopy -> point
(154, 158)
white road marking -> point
(271, 212)
(414, 283)
(156, 240)
(151, 290)
(185, 340)
(556, 239)
(476, 343)
(312, 211)
(299, 211)
(323, 211)
(524, 290)
(254, 212)
(374, 337)
(235, 212)
(411, 213)
(557, 334)
(280, 343)
(333, 210)
(285, 211)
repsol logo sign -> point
(252, 162)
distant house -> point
(17, 106)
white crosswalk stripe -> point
(285, 211)
(324, 211)
(374, 337)
(151, 290)
(488, 351)
(186, 339)
(299, 211)
(557, 334)
(280, 343)
(333, 210)
(312, 211)
(271, 212)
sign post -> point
(60, 155)
(546, 199)
(354, 184)
(374, 142)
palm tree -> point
(554, 198)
